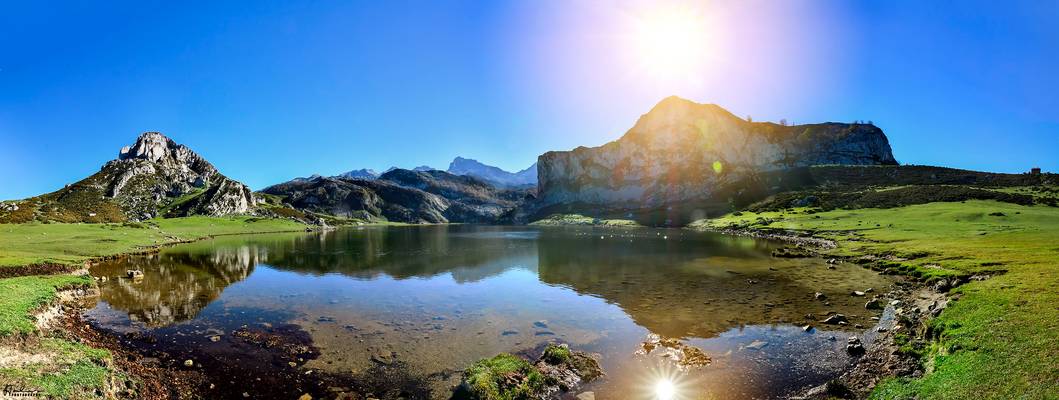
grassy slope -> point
(20, 296)
(999, 340)
(35, 243)
(69, 369)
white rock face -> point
(682, 150)
(155, 170)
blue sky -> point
(272, 90)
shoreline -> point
(60, 318)
(159, 381)
(883, 358)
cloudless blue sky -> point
(272, 90)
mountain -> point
(400, 195)
(683, 151)
(153, 177)
(421, 168)
(494, 175)
(360, 174)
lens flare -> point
(664, 380)
(665, 390)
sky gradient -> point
(268, 91)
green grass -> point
(556, 354)
(20, 296)
(578, 219)
(488, 379)
(57, 367)
(999, 339)
(66, 370)
(37, 243)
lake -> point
(400, 311)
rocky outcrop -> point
(153, 177)
(682, 151)
(158, 176)
(400, 195)
(494, 175)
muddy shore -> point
(910, 306)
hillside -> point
(400, 195)
(154, 177)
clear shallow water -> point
(425, 302)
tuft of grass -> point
(504, 377)
(21, 296)
(998, 339)
(557, 354)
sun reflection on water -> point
(664, 390)
(666, 381)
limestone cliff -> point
(682, 151)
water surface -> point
(399, 311)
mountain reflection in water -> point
(411, 290)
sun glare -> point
(670, 43)
(665, 390)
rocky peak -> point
(683, 151)
(151, 146)
(155, 171)
(493, 175)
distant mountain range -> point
(494, 175)
(680, 152)
(465, 167)
(358, 174)
(400, 195)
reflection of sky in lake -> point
(440, 298)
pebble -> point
(757, 345)
(189, 363)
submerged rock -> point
(835, 319)
(673, 349)
(873, 304)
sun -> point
(670, 43)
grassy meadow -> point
(59, 367)
(1000, 338)
(68, 244)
